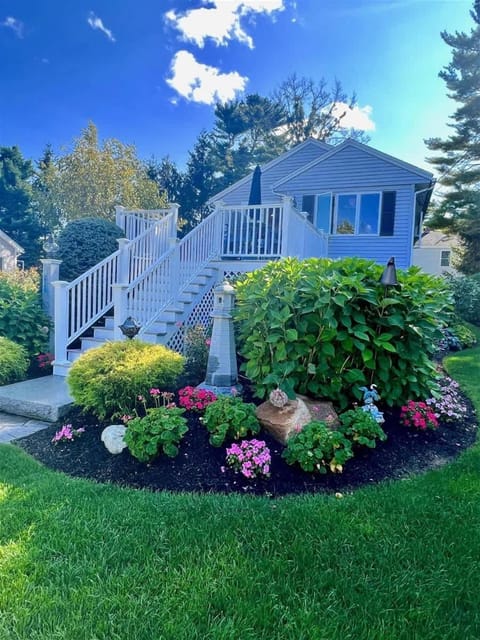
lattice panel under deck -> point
(200, 315)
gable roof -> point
(271, 164)
(425, 175)
(6, 238)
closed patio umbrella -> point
(255, 196)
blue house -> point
(315, 200)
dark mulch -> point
(198, 465)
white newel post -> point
(219, 226)
(123, 261)
(120, 217)
(175, 267)
(286, 216)
(50, 273)
(173, 208)
(120, 309)
(61, 314)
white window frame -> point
(448, 257)
(358, 196)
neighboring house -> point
(9, 252)
(433, 252)
(316, 201)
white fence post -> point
(120, 309)
(286, 216)
(61, 314)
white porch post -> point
(120, 309)
(61, 315)
(173, 207)
(175, 267)
(219, 228)
(123, 261)
(120, 217)
(286, 217)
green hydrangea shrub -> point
(316, 448)
(361, 428)
(13, 361)
(109, 379)
(324, 328)
(160, 431)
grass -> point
(80, 561)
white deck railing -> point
(252, 232)
(137, 221)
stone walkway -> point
(13, 427)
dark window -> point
(387, 223)
(308, 205)
(445, 259)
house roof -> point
(426, 175)
(437, 239)
(272, 163)
(6, 238)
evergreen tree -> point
(458, 157)
(17, 218)
(167, 177)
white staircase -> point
(162, 282)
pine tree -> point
(458, 158)
(17, 218)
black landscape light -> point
(130, 327)
(389, 275)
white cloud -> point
(15, 25)
(202, 83)
(221, 20)
(356, 118)
(96, 23)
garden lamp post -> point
(130, 327)
(389, 275)
(50, 246)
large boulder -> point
(282, 422)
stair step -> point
(45, 398)
(102, 333)
(91, 343)
(73, 354)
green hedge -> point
(85, 242)
(13, 361)
(21, 316)
(466, 297)
(324, 328)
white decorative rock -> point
(112, 438)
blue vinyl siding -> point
(270, 176)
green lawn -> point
(80, 561)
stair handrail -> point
(152, 291)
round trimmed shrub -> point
(13, 361)
(108, 380)
(84, 242)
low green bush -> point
(231, 418)
(316, 448)
(464, 334)
(84, 242)
(159, 431)
(108, 380)
(361, 427)
(324, 328)
(13, 361)
(21, 315)
(466, 297)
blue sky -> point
(147, 72)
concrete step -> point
(44, 398)
(91, 343)
(102, 333)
